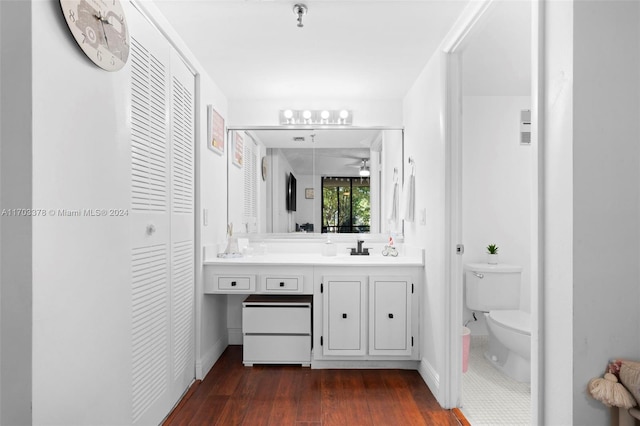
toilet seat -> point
(516, 320)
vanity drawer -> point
(231, 283)
(276, 319)
(288, 283)
(276, 349)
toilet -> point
(495, 291)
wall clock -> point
(100, 29)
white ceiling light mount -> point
(339, 117)
(300, 10)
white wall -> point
(591, 201)
(424, 141)
(308, 210)
(605, 194)
(212, 196)
(15, 192)
(496, 185)
(81, 265)
(283, 220)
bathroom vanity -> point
(363, 311)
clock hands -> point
(102, 19)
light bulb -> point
(344, 114)
(324, 114)
(306, 114)
(288, 114)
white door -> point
(150, 222)
(344, 319)
(162, 223)
(182, 144)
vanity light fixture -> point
(339, 117)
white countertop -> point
(312, 259)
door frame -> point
(452, 48)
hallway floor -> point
(488, 396)
(232, 394)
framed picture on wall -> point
(238, 150)
(215, 131)
(308, 193)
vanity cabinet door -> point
(344, 320)
(390, 316)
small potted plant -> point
(492, 254)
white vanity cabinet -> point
(390, 315)
(258, 279)
(369, 317)
(276, 329)
(344, 317)
(364, 311)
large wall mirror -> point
(308, 181)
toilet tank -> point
(492, 287)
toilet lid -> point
(517, 320)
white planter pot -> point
(492, 259)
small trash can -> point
(466, 340)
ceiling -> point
(326, 152)
(360, 50)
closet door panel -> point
(182, 225)
(150, 222)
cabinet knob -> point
(344, 315)
(281, 284)
(390, 315)
(233, 283)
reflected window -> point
(346, 205)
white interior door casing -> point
(162, 223)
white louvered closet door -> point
(162, 259)
(182, 225)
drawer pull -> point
(390, 315)
(233, 283)
(281, 283)
(344, 315)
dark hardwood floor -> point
(232, 394)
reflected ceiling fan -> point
(364, 167)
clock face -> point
(100, 29)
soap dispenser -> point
(329, 248)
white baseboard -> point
(430, 377)
(364, 364)
(205, 363)
(235, 336)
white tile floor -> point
(488, 396)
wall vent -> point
(525, 127)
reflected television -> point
(291, 193)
